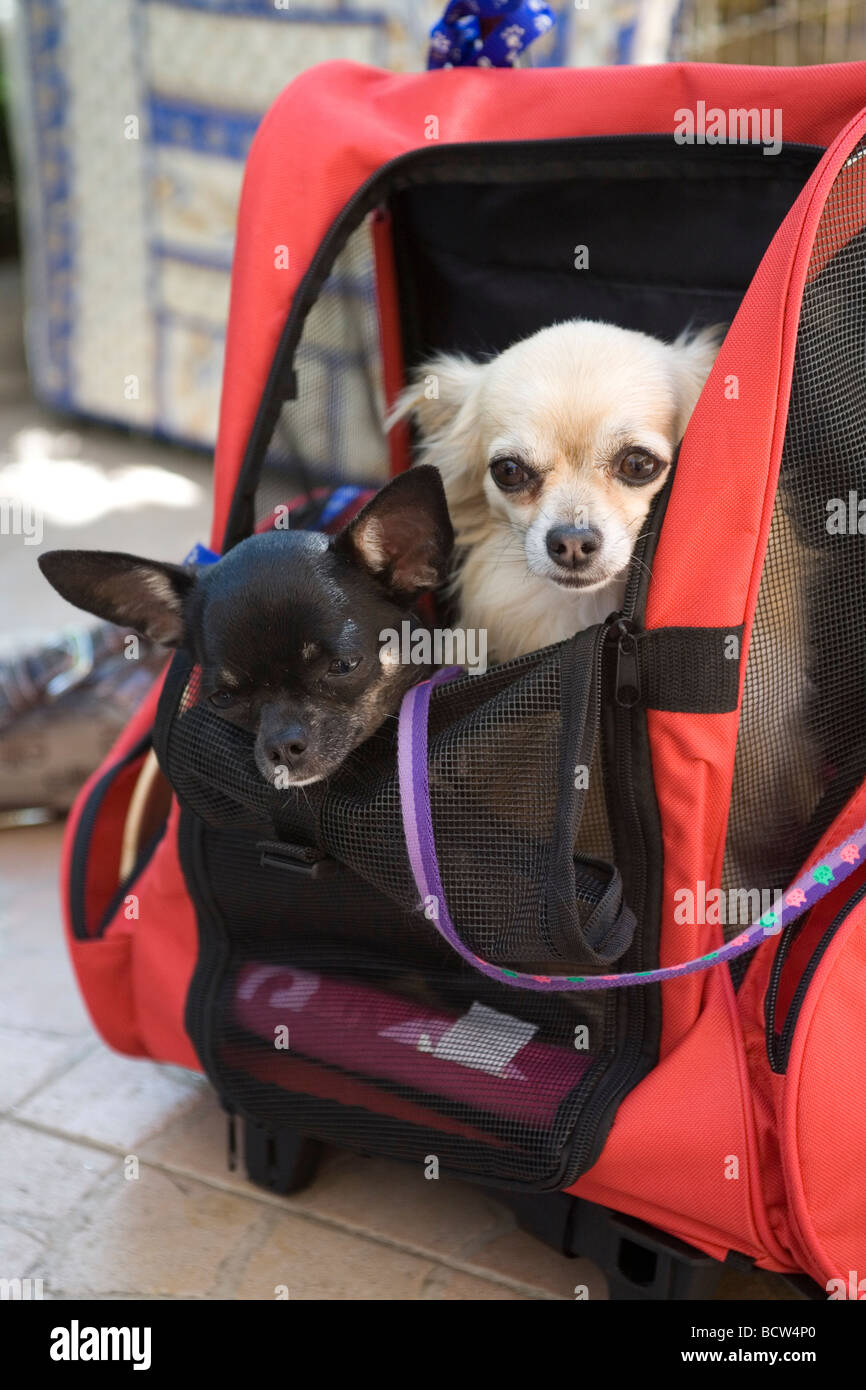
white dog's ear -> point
(694, 351)
(443, 399)
(437, 391)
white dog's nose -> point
(571, 547)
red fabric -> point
(711, 532)
(719, 532)
(822, 1119)
(779, 1160)
(101, 877)
(165, 955)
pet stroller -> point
(453, 949)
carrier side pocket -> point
(814, 1023)
(102, 959)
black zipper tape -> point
(633, 1016)
(144, 857)
(779, 1042)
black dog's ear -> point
(145, 595)
(404, 535)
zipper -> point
(213, 955)
(213, 940)
(779, 1043)
(630, 1013)
(626, 685)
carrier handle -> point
(832, 868)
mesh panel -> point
(345, 1018)
(801, 747)
(495, 756)
(332, 431)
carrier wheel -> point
(282, 1160)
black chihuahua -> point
(286, 626)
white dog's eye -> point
(636, 466)
(509, 475)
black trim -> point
(687, 670)
(590, 926)
(779, 1042)
(296, 859)
(81, 849)
(173, 686)
(214, 949)
(635, 824)
(215, 952)
(144, 857)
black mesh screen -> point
(332, 431)
(801, 748)
(496, 758)
(343, 1017)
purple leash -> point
(803, 893)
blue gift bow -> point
(200, 555)
(336, 503)
(456, 40)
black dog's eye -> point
(344, 665)
(509, 475)
(637, 466)
(222, 699)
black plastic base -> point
(638, 1261)
(282, 1161)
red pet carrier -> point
(694, 1117)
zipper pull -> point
(627, 677)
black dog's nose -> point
(572, 546)
(289, 746)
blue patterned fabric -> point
(459, 40)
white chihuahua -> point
(551, 454)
